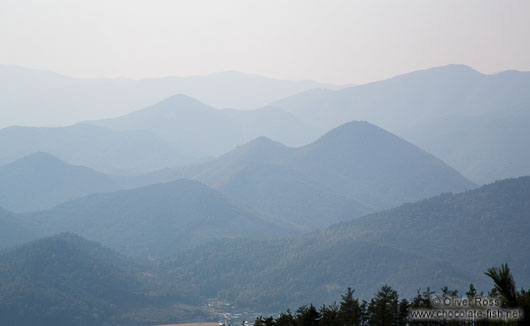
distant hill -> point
(95, 147)
(13, 231)
(40, 181)
(199, 130)
(356, 160)
(448, 240)
(157, 220)
(43, 98)
(413, 98)
(485, 148)
(67, 280)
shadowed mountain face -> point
(448, 240)
(356, 160)
(42, 98)
(91, 146)
(40, 181)
(484, 148)
(413, 98)
(157, 220)
(202, 131)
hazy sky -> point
(327, 40)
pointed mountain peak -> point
(351, 130)
(259, 149)
(179, 102)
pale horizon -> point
(338, 42)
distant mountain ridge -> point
(414, 98)
(40, 181)
(42, 98)
(485, 148)
(102, 149)
(357, 160)
(199, 130)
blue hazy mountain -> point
(413, 98)
(200, 130)
(95, 147)
(485, 148)
(13, 230)
(43, 98)
(156, 220)
(356, 160)
(40, 181)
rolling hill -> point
(156, 220)
(40, 181)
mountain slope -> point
(42, 98)
(448, 240)
(13, 231)
(95, 147)
(484, 148)
(67, 280)
(356, 160)
(416, 97)
(202, 131)
(474, 229)
(156, 220)
(374, 166)
(290, 195)
(40, 181)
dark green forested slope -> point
(475, 229)
(67, 280)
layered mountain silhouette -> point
(42, 98)
(95, 147)
(484, 148)
(202, 131)
(157, 220)
(40, 181)
(448, 240)
(413, 98)
(356, 160)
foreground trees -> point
(386, 308)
